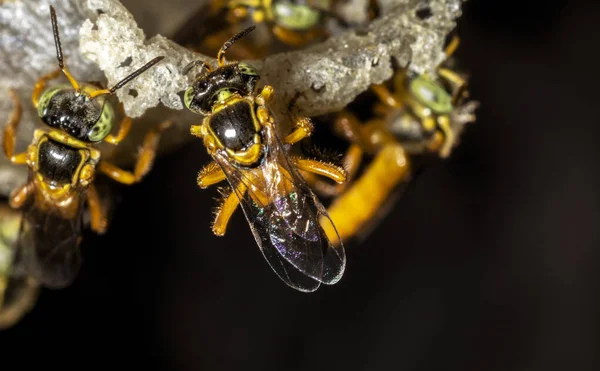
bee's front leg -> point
(10, 132)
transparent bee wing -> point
(286, 218)
(49, 243)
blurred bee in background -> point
(423, 115)
(293, 23)
(18, 292)
(285, 217)
(62, 164)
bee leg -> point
(144, 162)
(459, 85)
(98, 220)
(400, 81)
(304, 128)
(444, 125)
(386, 96)
(348, 127)
(359, 205)
(20, 195)
(10, 132)
(40, 86)
(124, 128)
(451, 48)
(210, 174)
(226, 210)
(333, 172)
(266, 95)
(293, 38)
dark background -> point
(488, 262)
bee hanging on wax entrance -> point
(62, 165)
(424, 115)
(18, 291)
(288, 24)
(286, 218)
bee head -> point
(80, 110)
(218, 85)
(75, 113)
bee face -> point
(73, 112)
(219, 85)
(296, 16)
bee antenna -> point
(193, 64)
(230, 42)
(59, 53)
(132, 76)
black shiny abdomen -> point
(57, 162)
(234, 126)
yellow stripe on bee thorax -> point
(358, 204)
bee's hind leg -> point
(226, 210)
(98, 220)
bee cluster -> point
(273, 171)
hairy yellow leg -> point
(359, 204)
(98, 220)
(10, 132)
(210, 174)
(40, 86)
(351, 164)
(304, 128)
(226, 210)
(20, 195)
(124, 128)
(335, 173)
(386, 96)
(144, 162)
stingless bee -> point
(294, 23)
(284, 215)
(424, 115)
(18, 292)
(62, 164)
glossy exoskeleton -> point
(62, 161)
(286, 218)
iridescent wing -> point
(49, 243)
(286, 218)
